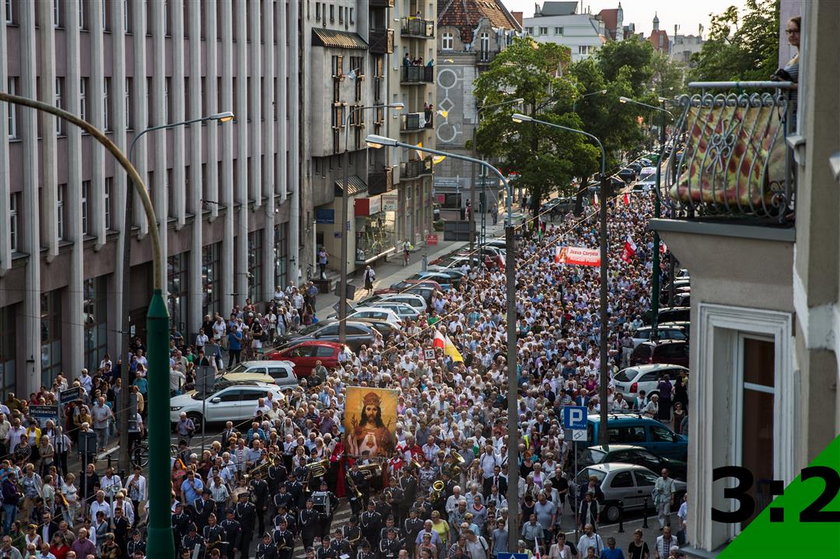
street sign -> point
(43, 413)
(70, 395)
(205, 378)
(574, 417)
(578, 435)
(512, 556)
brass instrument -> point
(459, 462)
(415, 464)
(317, 469)
(437, 490)
(371, 471)
(352, 486)
(388, 495)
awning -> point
(355, 185)
(337, 39)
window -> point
(529, 30)
(255, 265)
(543, 30)
(484, 45)
(661, 434)
(341, 14)
(96, 324)
(230, 396)
(82, 24)
(83, 98)
(59, 88)
(127, 103)
(558, 30)
(148, 102)
(12, 115)
(211, 271)
(278, 372)
(14, 221)
(351, 16)
(10, 15)
(85, 206)
(109, 186)
(60, 206)
(281, 254)
(447, 41)
(168, 110)
(56, 7)
(317, 11)
(50, 336)
(167, 20)
(106, 104)
(645, 479)
(337, 66)
(622, 479)
(332, 13)
(126, 17)
(106, 16)
(177, 266)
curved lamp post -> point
(585, 95)
(657, 210)
(603, 316)
(160, 540)
(344, 227)
(510, 276)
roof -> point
(557, 9)
(659, 39)
(466, 15)
(610, 19)
(337, 39)
(355, 185)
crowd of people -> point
(270, 487)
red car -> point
(305, 354)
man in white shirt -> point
(590, 539)
(99, 504)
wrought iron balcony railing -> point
(417, 74)
(728, 157)
(416, 27)
(415, 168)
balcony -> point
(381, 41)
(416, 28)
(381, 3)
(415, 122)
(731, 163)
(416, 168)
(417, 75)
(380, 181)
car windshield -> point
(592, 456)
(626, 375)
(240, 368)
(586, 473)
(307, 330)
(220, 384)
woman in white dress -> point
(71, 495)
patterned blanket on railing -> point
(734, 156)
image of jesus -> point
(370, 434)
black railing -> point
(380, 181)
(416, 168)
(411, 122)
(382, 41)
(728, 157)
(381, 3)
(417, 74)
(416, 27)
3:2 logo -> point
(815, 512)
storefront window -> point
(177, 288)
(375, 234)
(210, 278)
(281, 254)
(50, 336)
(255, 260)
(7, 349)
(96, 326)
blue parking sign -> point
(574, 417)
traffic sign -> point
(43, 413)
(70, 395)
(578, 435)
(512, 556)
(574, 417)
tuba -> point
(459, 462)
(437, 490)
(317, 469)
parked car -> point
(454, 273)
(377, 313)
(402, 310)
(359, 333)
(631, 454)
(674, 352)
(415, 301)
(628, 484)
(385, 328)
(635, 429)
(405, 285)
(305, 354)
(684, 325)
(669, 314)
(632, 380)
(445, 281)
(226, 401)
(627, 174)
(280, 372)
(662, 332)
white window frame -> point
(59, 93)
(717, 365)
(447, 41)
(558, 30)
(14, 220)
(81, 12)
(11, 85)
(59, 203)
(543, 30)
(56, 7)
(83, 82)
(126, 20)
(85, 207)
(106, 107)
(127, 103)
(10, 12)
(109, 186)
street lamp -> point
(585, 95)
(345, 226)
(655, 286)
(157, 319)
(604, 318)
(375, 141)
(478, 111)
(125, 405)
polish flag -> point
(629, 250)
(439, 340)
(626, 199)
(663, 248)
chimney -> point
(518, 17)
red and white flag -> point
(663, 248)
(626, 198)
(439, 340)
(629, 250)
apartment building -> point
(226, 195)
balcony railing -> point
(730, 158)
(415, 168)
(380, 181)
(381, 41)
(381, 3)
(413, 122)
(416, 27)
(417, 74)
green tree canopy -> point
(634, 54)
(740, 46)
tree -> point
(741, 46)
(634, 54)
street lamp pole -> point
(160, 539)
(124, 459)
(510, 275)
(585, 95)
(345, 226)
(478, 111)
(657, 210)
(604, 316)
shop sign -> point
(368, 206)
(390, 202)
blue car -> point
(635, 429)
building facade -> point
(764, 311)
(470, 35)
(354, 62)
(226, 194)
